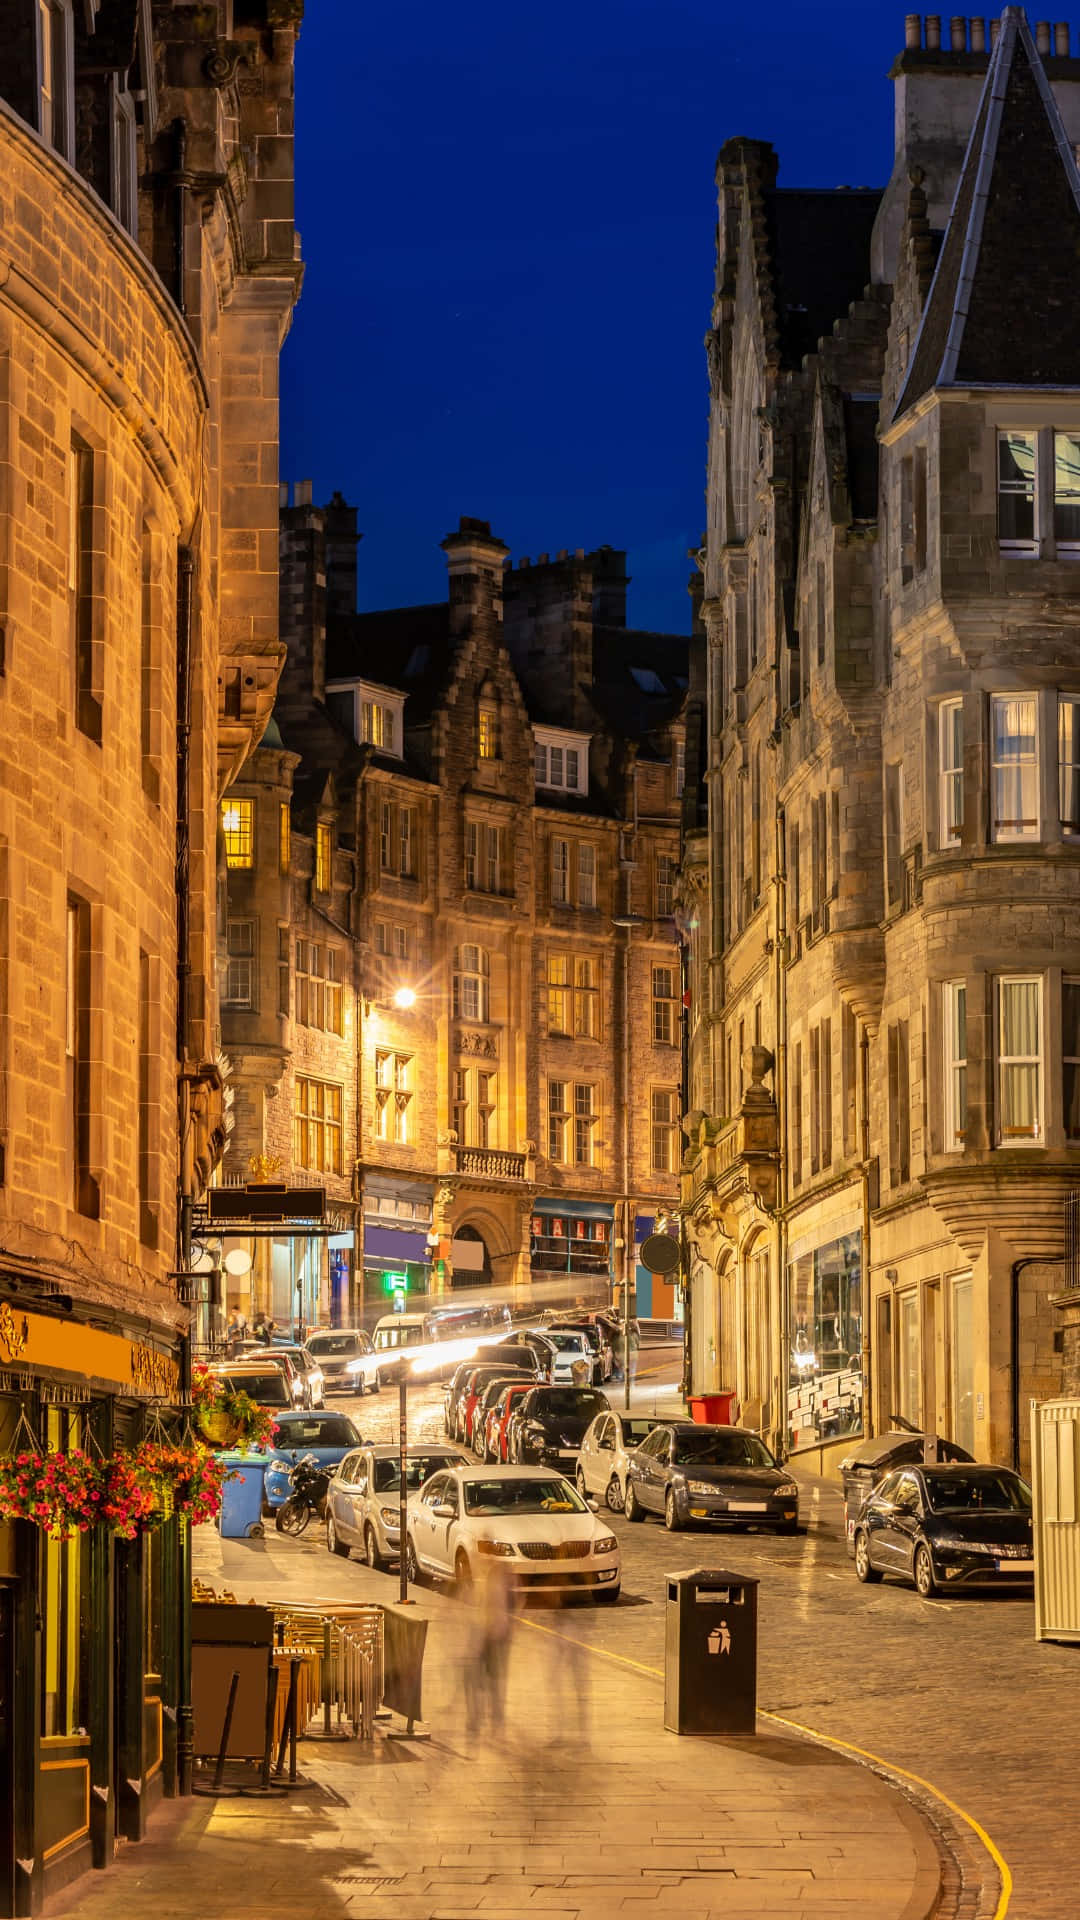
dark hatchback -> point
(548, 1425)
(719, 1475)
(943, 1527)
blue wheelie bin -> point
(242, 1496)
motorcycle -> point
(309, 1482)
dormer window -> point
(373, 714)
(562, 760)
(56, 69)
(487, 731)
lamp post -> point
(626, 922)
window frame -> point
(1070, 1062)
(1014, 1137)
(1009, 833)
(1022, 546)
(56, 64)
(954, 1065)
(1070, 829)
(241, 960)
(239, 837)
(586, 867)
(950, 776)
(323, 876)
(560, 890)
(394, 1090)
(318, 1129)
(665, 1129)
(478, 976)
(570, 747)
(667, 872)
(663, 1007)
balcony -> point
(489, 1163)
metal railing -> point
(493, 1163)
(348, 1643)
(1072, 1240)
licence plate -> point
(1016, 1566)
(747, 1506)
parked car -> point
(547, 1425)
(491, 1391)
(454, 1414)
(592, 1324)
(605, 1448)
(311, 1374)
(862, 1470)
(253, 1352)
(531, 1519)
(329, 1436)
(363, 1499)
(571, 1348)
(475, 1388)
(725, 1475)
(262, 1381)
(335, 1349)
(947, 1527)
(498, 1419)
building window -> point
(954, 1021)
(459, 1105)
(894, 833)
(1015, 766)
(560, 873)
(56, 70)
(910, 1397)
(571, 1125)
(1017, 491)
(666, 867)
(1019, 1061)
(124, 176)
(1070, 1057)
(573, 995)
(950, 772)
(81, 599)
(586, 874)
(584, 1123)
(663, 1129)
(377, 725)
(81, 1078)
(586, 998)
(318, 1126)
(284, 836)
(397, 840)
(319, 987)
(1069, 763)
(393, 1096)
(485, 1108)
(680, 767)
(561, 763)
(474, 1106)
(472, 970)
(899, 1105)
(324, 857)
(558, 1120)
(238, 828)
(240, 968)
(1067, 490)
(663, 1006)
(487, 733)
(821, 1096)
(485, 857)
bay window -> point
(1067, 489)
(1019, 1061)
(1017, 489)
(1069, 763)
(950, 772)
(1014, 751)
(954, 1011)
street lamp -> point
(627, 922)
(405, 997)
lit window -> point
(1067, 489)
(393, 1096)
(1017, 477)
(663, 1004)
(586, 874)
(324, 858)
(954, 1011)
(488, 733)
(1069, 763)
(240, 971)
(377, 724)
(472, 967)
(238, 827)
(558, 1120)
(284, 837)
(1015, 767)
(664, 1121)
(1019, 1061)
(573, 995)
(584, 1123)
(317, 1126)
(560, 872)
(586, 999)
(665, 885)
(1070, 1055)
(951, 771)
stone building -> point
(477, 803)
(882, 820)
(148, 274)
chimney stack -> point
(1042, 36)
(978, 35)
(933, 32)
(913, 30)
(958, 33)
(1061, 39)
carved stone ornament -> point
(13, 1333)
(447, 1139)
(481, 1043)
(220, 65)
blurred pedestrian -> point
(494, 1600)
(263, 1330)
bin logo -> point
(720, 1638)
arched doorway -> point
(470, 1261)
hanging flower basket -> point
(186, 1479)
(63, 1493)
(227, 1416)
(218, 1426)
(129, 1505)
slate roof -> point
(1002, 308)
(819, 242)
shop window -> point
(318, 1131)
(825, 1381)
(954, 1023)
(1019, 1062)
(238, 830)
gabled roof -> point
(1002, 309)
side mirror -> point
(592, 1503)
(444, 1511)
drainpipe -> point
(185, 572)
(780, 1085)
(864, 1143)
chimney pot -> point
(524, 561)
(913, 30)
(541, 559)
(1061, 39)
(561, 555)
(978, 35)
(302, 495)
(995, 31)
(579, 553)
(933, 32)
(283, 493)
(1042, 36)
(958, 33)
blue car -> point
(329, 1436)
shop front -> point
(659, 1296)
(571, 1241)
(825, 1388)
(92, 1701)
(398, 1244)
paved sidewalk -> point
(584, 1808)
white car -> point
(568, 1347)
(530, 1519)
(363, 1498)
(601, 1468)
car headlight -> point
(787, 1490)
(701, 1486)
(964, 1546)
(500, 1548)
(607, 1543)
(391, 1515)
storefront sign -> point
(38, 1343)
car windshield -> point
(635, 1431)
(978, 1493)
(268, 1389)
(329, 1346)
(563, 1340)
(419, 1467)
(564, 1402)
(727, 1449)
(513, 1495)
(337, 1431)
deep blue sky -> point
(508, 217)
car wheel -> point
(671, 1513)
(412, 1565)
(863, 1570)
(607, 1596)
(371, 1549)
(463, 1574)
(614, 1495)
(582, 1483)
(632, 1506)
(335, 1545)
(925, 1584)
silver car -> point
(601, 1467)
(363, 1498)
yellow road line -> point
(828, 1739)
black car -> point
(862, 1470)
(549, 1424)
(943, 1527)
(691, 1473)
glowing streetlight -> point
(405, 997)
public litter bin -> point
(713, 1409)
(873, 1459)
(242, 1496)
(710, 1668)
